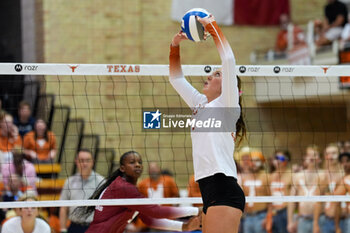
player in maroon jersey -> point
(122, 184)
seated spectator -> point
(9, 138)
(40, 144)
(24, 121)
(13, 189)
(336, 16)
(281, 45)
(21, 167)
(158, 185)
(27, 221)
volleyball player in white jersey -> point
(214, 166)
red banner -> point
(259, 12)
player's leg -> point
(222, 219)
(203, 222)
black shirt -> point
(332, 10)
(24, 128)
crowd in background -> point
(317, 173)
(26, 141)
(333, 27)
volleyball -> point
(194, 29)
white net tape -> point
(318, 72)
(162, 201)
(163, 70)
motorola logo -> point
(242, 69)
(207, 69)
(18, 67)
(276, 69)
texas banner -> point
(240, 12)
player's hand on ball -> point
(178, 37)
(205, 21)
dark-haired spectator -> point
(79, 187)
(40, 144)
(336, 16)
(21, 167)
(9, 138)
(24, 121)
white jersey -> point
(212, 151)
(13, 225)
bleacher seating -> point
(70, 138)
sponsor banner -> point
(100, 69)
(184, 119)
(163, 70)
(294, 71)
(262, 119)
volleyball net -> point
(109, 109)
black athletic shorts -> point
(220, 189)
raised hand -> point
(205, 21)
(178, 37)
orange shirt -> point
(54, 223)
(165, 187)
(282, 39)
(2, 187)
(193, 189)
(7, 144)
(42, 148)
